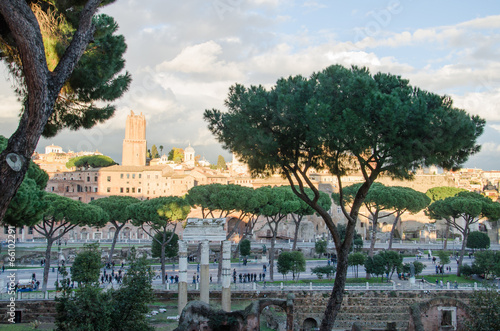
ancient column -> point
(226, 275)
(204, 272)
(183, 264)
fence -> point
(265, 287)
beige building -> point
(166, 178)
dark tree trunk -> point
(46, 268)
(162, 258)
(43, 87)
(337, 295)
(219, 265)
(464, 243)
(391, 237)
(445, 237)
(296, 233)
(271, 258)
(115, 239)
(374, 234)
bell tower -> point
(134, 144)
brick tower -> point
(134, 144)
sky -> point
(184, 55)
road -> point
(251, 267)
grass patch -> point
(448, 277)
(372, 280)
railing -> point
(261, 287)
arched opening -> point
(126, 233)
(111, 233)
(84, 234)
(309, 324)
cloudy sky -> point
(184, 55)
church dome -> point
(189, 149)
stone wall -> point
(369, 309)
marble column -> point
(226, 275)
(183, 264)
(205, 272)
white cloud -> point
(202, 59)
(490, 147)
(485, 104)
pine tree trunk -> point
(391, 237)
(337, 295)
(462, 251)
(113, 244)
(446, 232)
(295, 236)
(163, 262)
(271, 258)
(46, 268)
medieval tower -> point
(134, 144)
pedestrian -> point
(455, 284)
(176, 279)
(210, 278)
(437, 282)
(260, 277)
(241, 277)
(194, 279)
(441, 283)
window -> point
(95, 178)
(108, 178)
(5, 229)
(128, 190)
(140, 175)
(92, 199)
(133, 189)
(67, 188)
(128, 176)
(121, 189)
(133, 176)
(30, 230)
(88, 178)
(121, 176)
(79, 198)
(138, 190)
(108, 189)
(448, 317)
(52, 188)
(95, 189)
